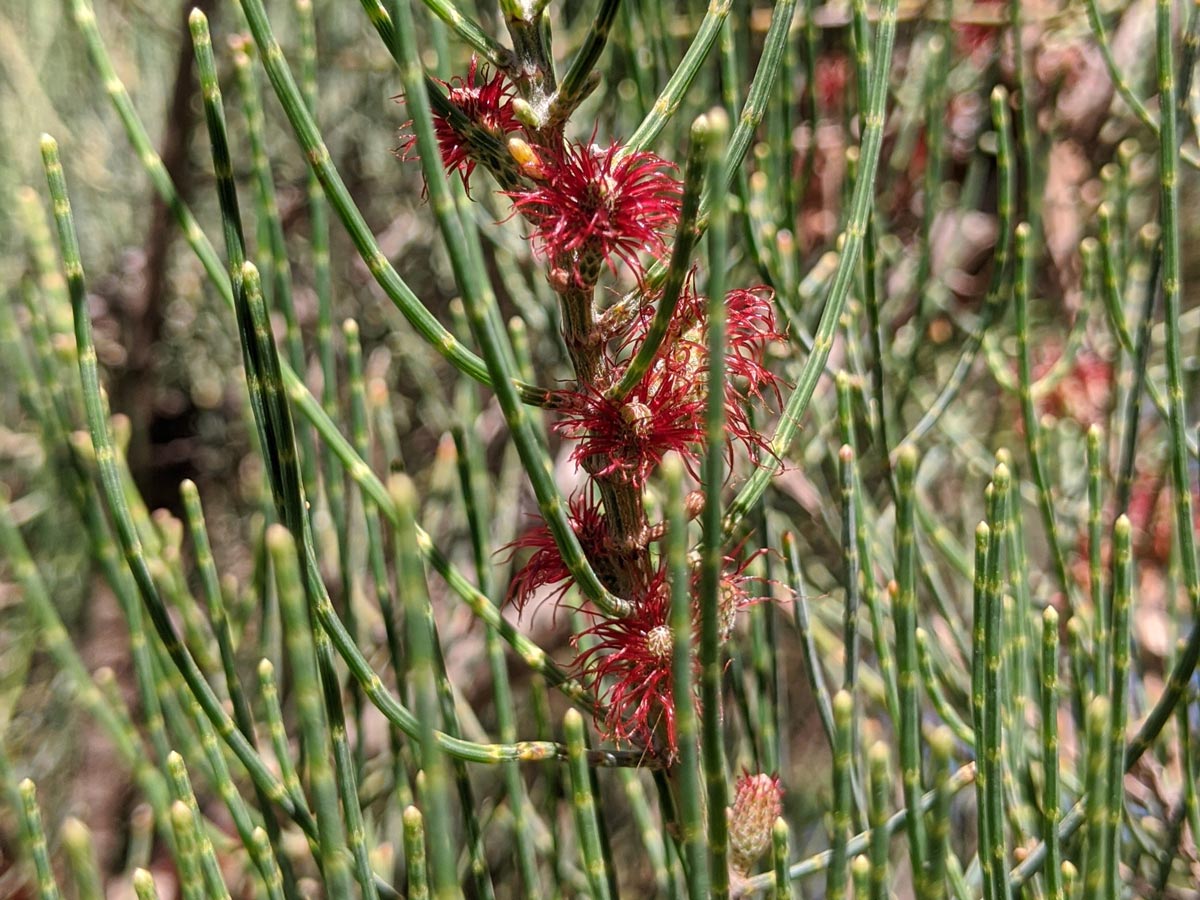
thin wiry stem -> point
(843, 279)
(712, 546)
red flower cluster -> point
(589, 207)
(664, 413)
(586, 203)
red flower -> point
(665, 411)
(600, 204)
(633, 655)
(628, 440)
(749, 327)
(546, 567)
(486, 103)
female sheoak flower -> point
(587, 207)
(545, 567)
(629, 665)
(601, 204)
(485, 104)
(665, 411)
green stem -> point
(1115, 782)
(35, 841)
(686, 772)
(712, 546)
(686, 235)
(583, 807)
(843, 279)
(1033, 430)
(1051, 809)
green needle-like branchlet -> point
(712, 554)
(583, 806)
(310, 710)
(686, 233)
(780, 853)
(906, 661)
(581, 78)
(843, 711)
(941, 742)
(187, 853)
(1033, 429)
(81, 855)
(1051, 809)
(983, 539)
(1096, 797)
(1115, 782)
(689, 798)
(435, 795)
(35, 841)
(210, 869)
(274, 248)
(990, 741)
(211, 586)
(1099, 598)
(268, 690)
(672, 94)
(143, 885)
(414, 854)
(848, 472)
(879, 781)
(937, 696)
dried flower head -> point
(595, 203)
(757, 802)
(485, 104)
(734, 591)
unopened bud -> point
(526, 158)
(757, 802)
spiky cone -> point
(757, 803)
